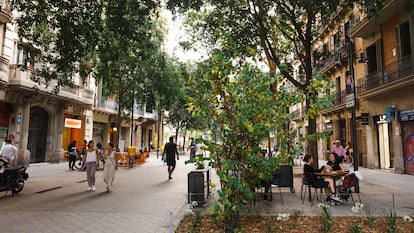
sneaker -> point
(335, 198)
(89, 188)
(93, 188)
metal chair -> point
(316, 184)
(306, 185)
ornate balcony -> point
(394, 76)
(5, 13)
(4, 70)
(21, 78)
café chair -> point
(316, 185)
(306, 185)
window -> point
(346, 30)
(372, 58)
(23, 57)
(404, 39)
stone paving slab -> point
(143, 199)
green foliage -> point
(369, 215)
(196, 223)
(391, 218)
(326, 217)
(120, 41)
(240, 109)
(60, 36)
(198, 161)
(356, 228)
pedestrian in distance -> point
(199, 148)
(192, 149)
(8, 153)
(110, 167)
(72, 154)
(349, 153)
(170, 149)
(91, 159)
(339, 150)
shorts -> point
(171, 162)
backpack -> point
(349, 181)
(192, 148)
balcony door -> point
(374, 65)
(405, 63)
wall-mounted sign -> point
(73, 123)
(364, 118)
(390, 114)
(406, 115)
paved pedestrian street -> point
(55, 199)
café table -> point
(335, 175)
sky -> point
(176, 34)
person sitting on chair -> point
(308, 169)
(334, 163)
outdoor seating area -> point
(123, 159)
(282, 178)
(311, 189)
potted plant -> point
(198, 162)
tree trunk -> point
(185, 135)
(312, 144)
(118, 118)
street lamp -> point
(352, 100)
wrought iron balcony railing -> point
(399, 70)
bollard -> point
(170, 228)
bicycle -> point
(78, 164)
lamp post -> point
(353, 120)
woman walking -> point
(91, 160)
(110, 167)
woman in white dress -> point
(110, 166)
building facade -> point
(32, 114)
(385, 86)
(42, 122)
(382, 52)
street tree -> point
(129, 42)
(59, 37)
(233, 98)
(278, 31)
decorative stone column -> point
(24, 153)
(58, 152)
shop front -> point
(406, 118)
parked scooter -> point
(12, 178)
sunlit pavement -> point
(55, 199)
(376, 191)
(144, 200)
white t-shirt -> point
(8, 151)
(199, 149)
(90, 156)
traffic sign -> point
(350, 100)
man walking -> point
(72, 154)
(170, 149)
(339, 150)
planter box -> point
(283, 177)
(198, 186)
